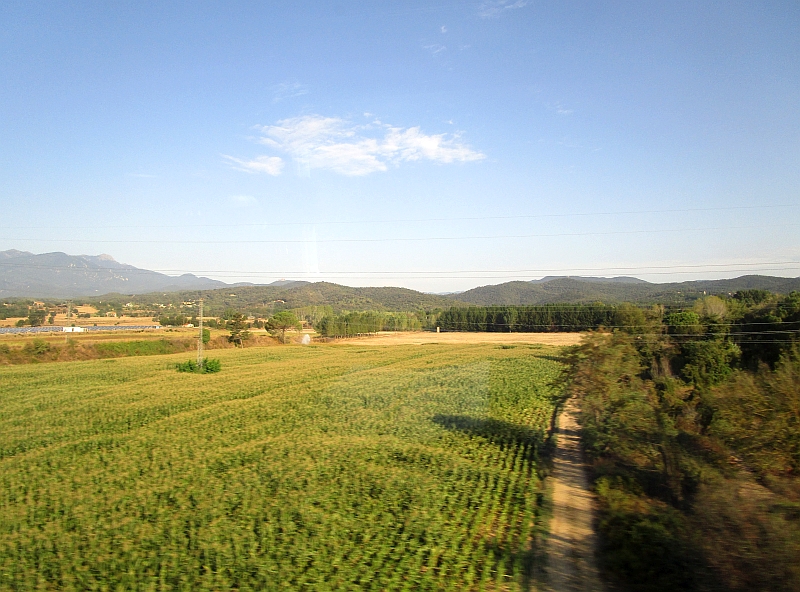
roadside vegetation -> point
(690, 419)
(37, 350)
(319, 467)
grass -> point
(114, 349)
(322, 467)
(37, 350)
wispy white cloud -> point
(443, 29)
(243, 200)
(287, 90)
(561, 110)
(272, 165)
(334, 144)
(558, 108)
(435, 48)
(495, 8)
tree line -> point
(528, 319)
(362, 323)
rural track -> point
(572, 542)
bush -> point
(208, 367)
(757, 416)
(211, 365)
(37, 347)
(190, 366)
(708, 363)
(645, 542)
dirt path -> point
(572, 541)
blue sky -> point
(433, 145)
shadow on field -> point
(552, 358)
(494, 430)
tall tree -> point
(281, 322)
(237, 325)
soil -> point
(572, 543)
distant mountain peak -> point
(12, 253)
(58, 275)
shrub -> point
(211, 365)
(644, 541)
(189, 366)
(37, 347)
(208, 367)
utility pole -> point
(200, 338)
(69, 314)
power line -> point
(400, 239)
(665, 334)
(525, 324)
(565, 272)
(422, 220)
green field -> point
(319, 467)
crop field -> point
(320, 467)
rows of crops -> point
(330, 467)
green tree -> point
(630, 318)
(281, 322)
(683, 325)
(36, 317)
(237, 325)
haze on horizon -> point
(436, 146)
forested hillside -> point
(588, 290)
(264, 300)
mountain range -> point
(611, 290)
(58, 275)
